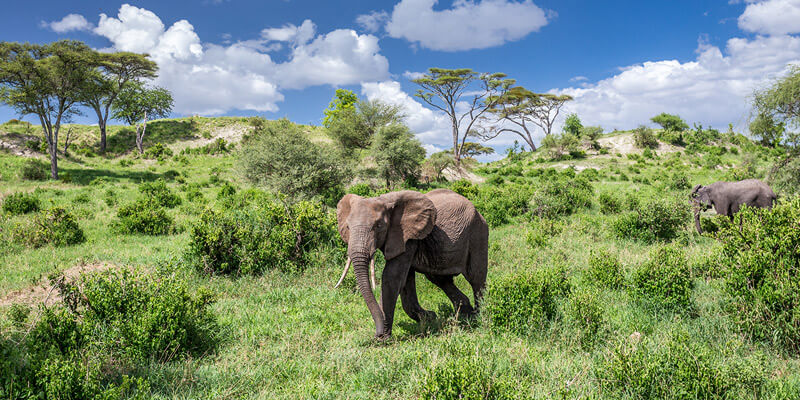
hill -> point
(598, 285)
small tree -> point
(524, 109)
(136, 104)
(669, 122)
(47, 81)
(464, 96)
(342, 101)
(573, 125)
(436, 164)
(643, 137)
(354, 127)
(472, 150)
(107, 81)
(398, 154)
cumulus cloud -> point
(207, 78)
(373, 21)
(713, 89)
(466, 25)
(71, 22)
(771, 17)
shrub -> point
(159, 193)
(193, 194)
(281, 157)
(525, 303)
(104, 327)
(20, 203)
(584, 312)
(540, 231)
(653, 220)
(144, 216)
(664, 280)
(679, 180)
(609, 203)
(643, 137)
(760, 255)
(226, 190)
(499, 205)
(34, 170)
(679, 368)
(55, 226)
(590, 174)
(466, 377)
(258, 236)
(464, 188)
(157, 152)
(361, 189)
(605, 269)
(561, 197)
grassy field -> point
(291, 335)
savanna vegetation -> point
(198, 260)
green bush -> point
(158, 192)
(361, 189)
(144, 216)
(499, 205)
(679, 368)
(540, 231)
(468, 377)
(609, 203)
(34, 170)
(157, 152)
(559, 197)
(643, 137)
(103, 328)
(761, 258)
(258, 236)
(55, 226)
(20, 203)
(605, 269)
(524, 303)
(679, 180)
(664, 280)
(584, 312)
(653, 220)
(464, 188)
(226, 190)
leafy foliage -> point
(562, 196)
(605, 269)
(33, 170)
(585, 313)
(669, 122)
(398, 154)
(20, 203)
(653, 220)
(643, 137)
(144, 216)
(54, 226)
(664, 280)
(159, 193)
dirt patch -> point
(624, 144)
(453, 174)
(231, 133)
(43, 292)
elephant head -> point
(700, 199)
(385, 222)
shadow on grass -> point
(86, 176)
(445, 320)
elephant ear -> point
(342, 212)
(413, 217)
(696, 188)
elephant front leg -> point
(411, 306)
(394, 278)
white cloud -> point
(413, 74)
(373, 21)
(713, 89)
(578, 78)
(208, 78)
(71, 22)
(466, 25)
(771, 17)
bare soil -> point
(43, 292)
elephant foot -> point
(424, 315)
(383, 337)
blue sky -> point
(624, 61)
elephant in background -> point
(727, 197)
(439, 234)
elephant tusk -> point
(372, 272)
(344, 273)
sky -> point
(623, 61)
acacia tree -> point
(355, 126)
(136, 103)
(46, 80)
(114, 71)
(464, 96)
(523, 110)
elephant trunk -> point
(361, 261)
(697, 219)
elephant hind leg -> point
(408, 297)
(477, 266)
(460, 301)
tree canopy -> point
(137, 103)
(355, 127)
(344, 100)
(669, 122)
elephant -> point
(439, 234)
(728, 197)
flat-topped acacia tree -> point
(46, 80)
(523, 110)
(137, 103)
(464, 96)
(113, 72)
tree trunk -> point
(53, 160)
(102, 136)
(140, 137)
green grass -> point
(291, 335)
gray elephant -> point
(439, 234)
(728, 197)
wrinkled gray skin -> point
(439, 234)
(727, 197)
